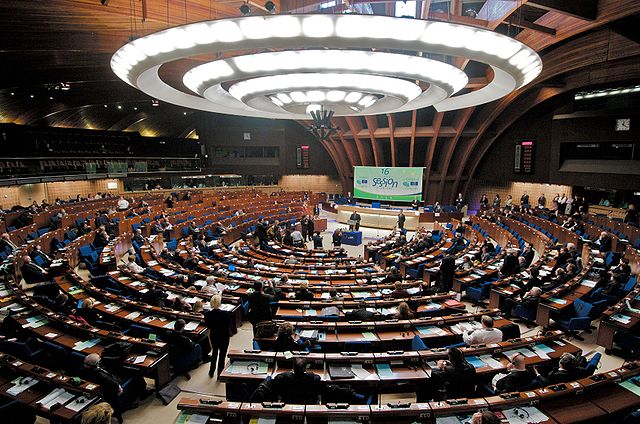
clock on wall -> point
(623, 124)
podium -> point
(352, 238)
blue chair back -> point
(417, 343)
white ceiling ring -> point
(513, 63)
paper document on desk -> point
(541, 353)
(532, 415)
(631, 386)
(457, 419)
(624, 319)
(475, 361)
(384, 370)
(369, 336)
(191, 325)
(360, 372)
(133, 315)
(488, 359)
(588, 283)
(79, 404)
(21, 384)
(432, 330)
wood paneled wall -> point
(315, 183)
(27, 193)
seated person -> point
(121, 394)
(184, 354)
(485, 335)
(154, 296)
(303, 292)
(138, 237)
(87, 312)
(466, 264)
(102, 238)
(6, 243)
(451, 379)
(557, 280)
(529, 301)
(291, 260)
(518, 378)
(398, 292)
(392, 277)
(133, 266)
(333, 294)
(485, 417)
(361, 314)
(567, 370)
(99, 413)
(404, 312)
(61, 304)
(510, 265)
(37, 252)
(288, 340)
(32, 272)
(298, 387)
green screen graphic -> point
(399, 184)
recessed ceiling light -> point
(50, 98)
(184, 113)
(119, 107)
(32, 96)
(13, 94)
(105, 106)
(135, 108)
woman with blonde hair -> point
(99, 413)
(219, 324)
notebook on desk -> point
(340, 372)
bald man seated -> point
(120, 392)
(519, 378)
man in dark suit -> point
(259, 305)
(528, 254)
(401, 220)
(6, 243)
(510, 265)
(298, 387)
(361, 314)
(37, 252)
(33, 273)
(311, 227)
(317, 241)
(304, 227)
(604, 242)
(154, 296)
(184, 354)
(446, 273)
(519, 378)
(121, 394)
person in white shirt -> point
(210, 288)
(485, 335)
(133, 266)
(123, 204)
(298, 241)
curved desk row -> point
(388, 218)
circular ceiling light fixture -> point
(350, 64)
